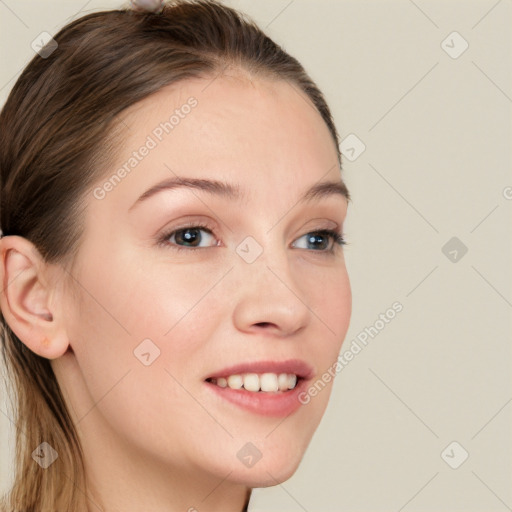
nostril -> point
(263, 324)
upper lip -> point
(298, 367)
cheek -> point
(138, 295)
(330, 299)
(336, 301)
(131, 307)
(164, 317)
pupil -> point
(313, 237)
(189, 234)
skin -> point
(154, 438)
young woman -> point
(171, 266)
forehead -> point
(259, 133)
(234, 112)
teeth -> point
(251, 382)
(266, 382)
(235, 381)
(282, 380)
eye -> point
(325, 240)
(188, 237)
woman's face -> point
(158, 313)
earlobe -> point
(25, 300)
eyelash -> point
(335, 236)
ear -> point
(29, 299)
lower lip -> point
(263, 403)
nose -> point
(268, 296)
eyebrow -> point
(220, 188)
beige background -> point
(437, 162)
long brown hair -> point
(56, 131)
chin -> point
(264, 476)
(276, 465)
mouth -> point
(267, 388)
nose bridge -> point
(262, 255)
